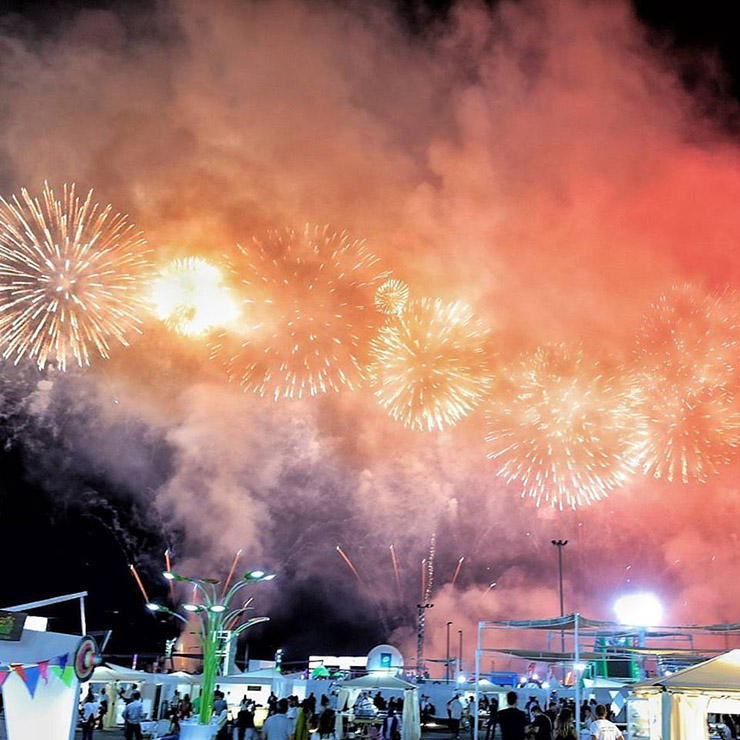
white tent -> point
(675, 707)
(350, 690)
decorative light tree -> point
(214, 616)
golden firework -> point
(71, 277)
(391, 297)
(685, 384)
(190, 297)
(564, 433)
(428, 366)
(308, 308)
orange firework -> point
(308, 308)
(565, 433)
(190, 297)
(391, 297)
(428, 366)
(71, 277)
(685, 384)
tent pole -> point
(83, 619)
(477, 680)
(576, 664)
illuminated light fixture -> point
(268, 577)
(254, 574)
(169, 575)
(461, 678)
(154, 607)
(217, 608)
(191, 607)
(580, 667)
(639, 610)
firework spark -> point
(565, 433)
(396, 574)
(685, 384)
(308, 299)
(457, 569)
(391, 297)
(349, 563)
(429, 366)
(190, 297)
(71, 274)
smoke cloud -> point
(541, 161)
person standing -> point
(104, 706)
(565, 727)
(602, 728)
(245, 722)
(133, 714)
(541, 726)
(277, 726)
(90, 709)
(512, 720)
(391, 727)
(455, 712)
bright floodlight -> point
(269, 577)
(190, 607)
(639, 610)
(461, 678)
(169, 575)
(153, 607)
(217, 608)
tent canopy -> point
(379, 681)
(718, 674)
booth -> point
(349, 691)
(676, 707)
(40, 674)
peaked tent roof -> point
(379, 681)
(720, 674)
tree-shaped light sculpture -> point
(214, 616)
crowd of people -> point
(556, 721)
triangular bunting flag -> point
(56, 670)
(3, 676)
(68, 675)
(20, 671)
(44, 670)
(62, 661)
(31, 679)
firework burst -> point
(391, 297)
(308, 309)
(428, 366)
(564, 433)
(71, 277)
(190, 297)
(685, 384)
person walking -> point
(603, 729)
(245, 722)
(455, 712)
(512, 720)
(132, 715)
(277, 726)
(391, 729)
(90, 709)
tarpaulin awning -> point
(568, 622)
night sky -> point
(73, 517)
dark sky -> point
(83, 535)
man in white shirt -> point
(133, 714)
(455, 709)
(90, 710)
(602, 728)
(277, 726)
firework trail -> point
(566, 433)
(428, 367)
(396, 573)
(391, 297)
(168, 568)
(190, 297)
(308, 314)
(457, 570)
(71, 277)
(349, 563)
(685, 384)
(227, 582)
(139, 583)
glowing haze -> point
(540, 162)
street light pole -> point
(560, 544)
(447, 661)
(459, 653)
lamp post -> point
(214, 616)
(447, 661)
(560, 544)
(459, 653)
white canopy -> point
(718, 674)
(678, 704)
(349, 691)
